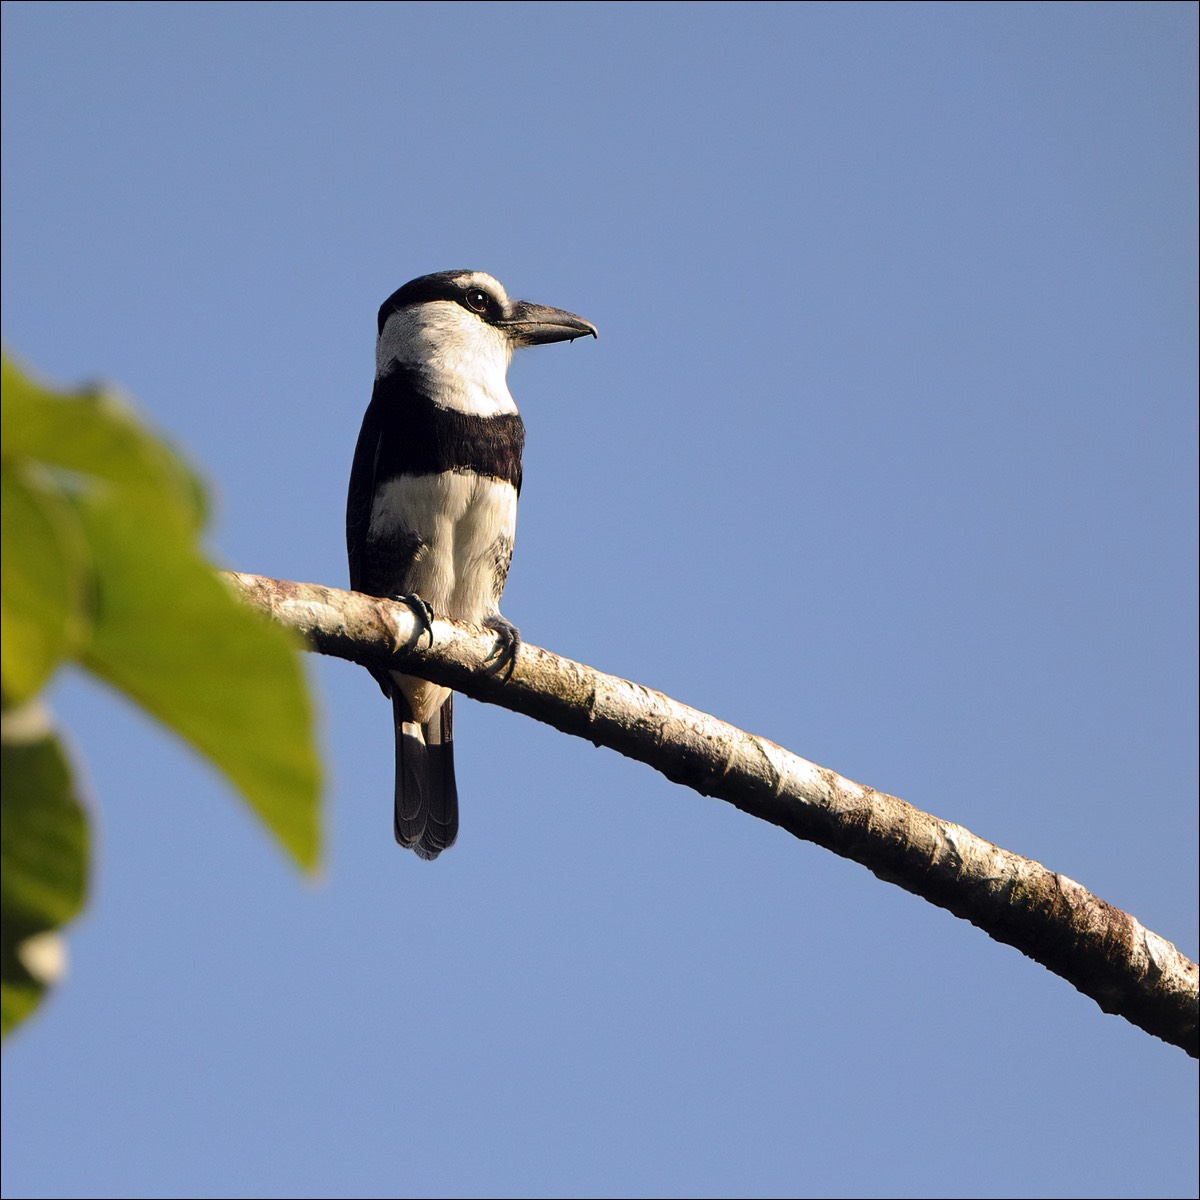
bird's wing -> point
(377, 567)
(362, 492)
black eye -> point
(478, 300)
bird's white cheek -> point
(474, 373)
(464, 360)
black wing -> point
(378, 566)
(362, 491)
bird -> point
(432, 506)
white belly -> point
(466, 524)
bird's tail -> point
(426, 815)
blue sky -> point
(887, 451)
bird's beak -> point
(536, 325)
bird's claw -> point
(422, 610)
(503, 655)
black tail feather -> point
(426, 805)
(412, 770)
(441, 828)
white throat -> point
(465, 360)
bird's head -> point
(463, 322)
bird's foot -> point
(423, 611)
(508, 638)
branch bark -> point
(1104, 952)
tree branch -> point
(1106, 953)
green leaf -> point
(102, 564)
(43, 857)
(43, 563)
(172, 635)
(164, 628)
(95, 435)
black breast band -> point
(418, 437)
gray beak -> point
(536, 325)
